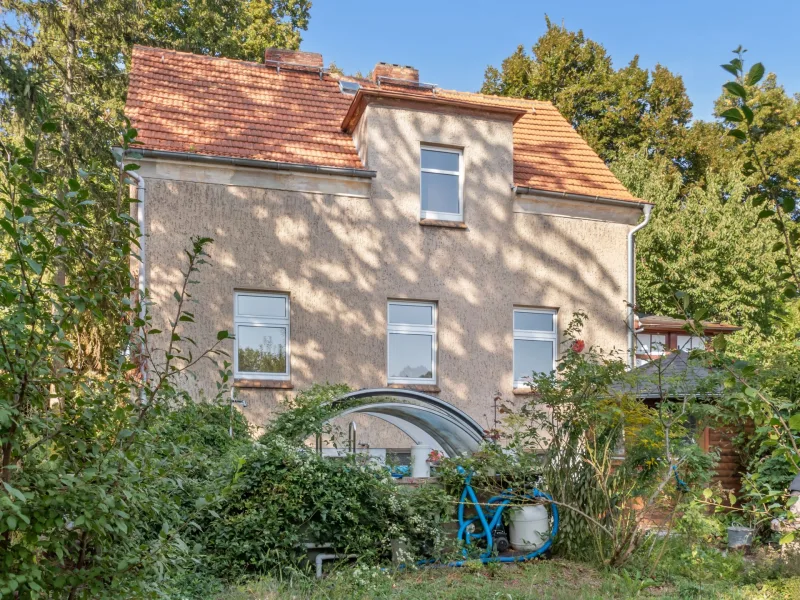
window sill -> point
(417, 387)
(443, 223)
(269, 384)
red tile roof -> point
(189, 103)
(183, 102)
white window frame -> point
(689, 344)
(412, 329)
(649, 351)
(442, 216)
(536, 335)
(258, 321)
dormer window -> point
(441, 183)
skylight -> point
(349, 87)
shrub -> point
(286, 496)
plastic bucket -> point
(529, 527)
(420, 467)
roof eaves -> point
(253, 163)
(364, 96)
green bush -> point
(286, 496)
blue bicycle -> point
(489, 519)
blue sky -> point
(452, 42)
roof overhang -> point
(233, 161)
(365, 96)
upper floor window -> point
(442, 183)
(651, 343)
(687, 343)
(261, 344)
(535, 343)
(411, 342)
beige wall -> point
(341, 257)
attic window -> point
(349, 87)
(441, 183)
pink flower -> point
(435, 456)
(578, 346)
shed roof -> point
(673, 375)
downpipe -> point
(647, 208)
(140, 220)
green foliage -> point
(306, 414)
(765, 123)
(760, 390)
(70, 60)
(703, 243)
(612, 109)
(101, 472)
(606, 485)
(287, 496)
(708, 190)
(241, 29)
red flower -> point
(578, 346)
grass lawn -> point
(547, 580)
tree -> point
(612, 109)
(241, 29)
(70, 59)
(639, 122)
(702, 246)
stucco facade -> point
(341, 248)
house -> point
(665, 371)
(657, 335)
(380, 232)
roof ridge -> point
(225, 59)
(498, 98)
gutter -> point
(140, 220)
(521, 190)
(632, 283)
(254, 163)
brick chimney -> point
(395, 72)
(274, 57)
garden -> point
(118, 483)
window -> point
(261, 329)
(349, 88)
(687, 343)
(411, 342)
(442, 184)
(651, 343)
(535, 343)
